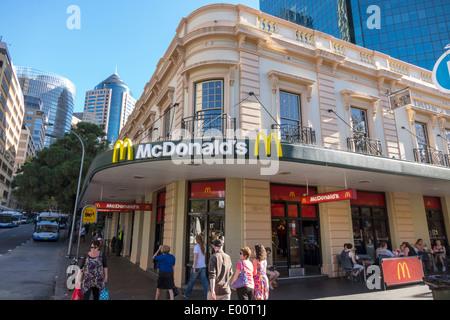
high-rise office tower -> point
(11, 118)
(35, 119)
(109, 105)
(414, 31)
(57, 95)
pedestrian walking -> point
(220, 272)
(166, 262)
(246, 292)
(198, 268)
(83, 233)
(261, 291)
(94, 272)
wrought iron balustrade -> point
(207, 125)
(295, 133)
(363, 144)
(431, 156)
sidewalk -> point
(129, 282)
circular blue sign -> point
(441, 73)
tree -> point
(52, 175)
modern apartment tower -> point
(414, 31)
(11, 118)
(109, 105)
(57, 95)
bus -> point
(9, 219)
(46, 230)
(49, 216)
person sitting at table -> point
(439, 253)
(384, 252)
(421, 250)
(407, 249)
(349, 254)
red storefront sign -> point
(368, 199)
(330, 196)
(402, 270)
(215, 189)
(121, 206)
(432, 203)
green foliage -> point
(50, 179)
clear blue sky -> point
(132, 35)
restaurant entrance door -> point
(295, 233)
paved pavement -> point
(129, 282)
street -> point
(28, 268)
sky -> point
(131, 35)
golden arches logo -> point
(207, 190)
(292, 194)
(120, 148)
(403, 266)
(267, 142)
(348, 195)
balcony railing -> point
(365, 145)
(295, 133)
(431, 156)
(210, 125)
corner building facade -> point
(196, 148)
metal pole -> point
(76, 203)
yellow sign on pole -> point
(89, 214)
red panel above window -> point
(432, 203)
(214, 189)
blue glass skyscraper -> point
(57, 95)
(109, 105)
(414, 31)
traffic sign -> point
(441, 73)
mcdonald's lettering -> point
(122, 147)
(403, 266)
(268, 143)
(331, 196)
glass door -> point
(311, 252)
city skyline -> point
(45, 36)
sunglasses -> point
(94, 247)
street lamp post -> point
(76, 204)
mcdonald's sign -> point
(210, 189)
(331, 196)
(402, 270)
(120, 206)
(122, 147)
(267, 142)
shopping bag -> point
(104, 295)
(77, 294)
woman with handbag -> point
(244, 270)
(94, 272)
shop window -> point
(435, 220)
(370, 222)
(206, 217)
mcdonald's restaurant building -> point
(255, 130)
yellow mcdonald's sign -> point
(207, 190)
(267, 142)
(403, 266)
(120, 147)
(292, 194)
(348, 195)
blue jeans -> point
(205, 281)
